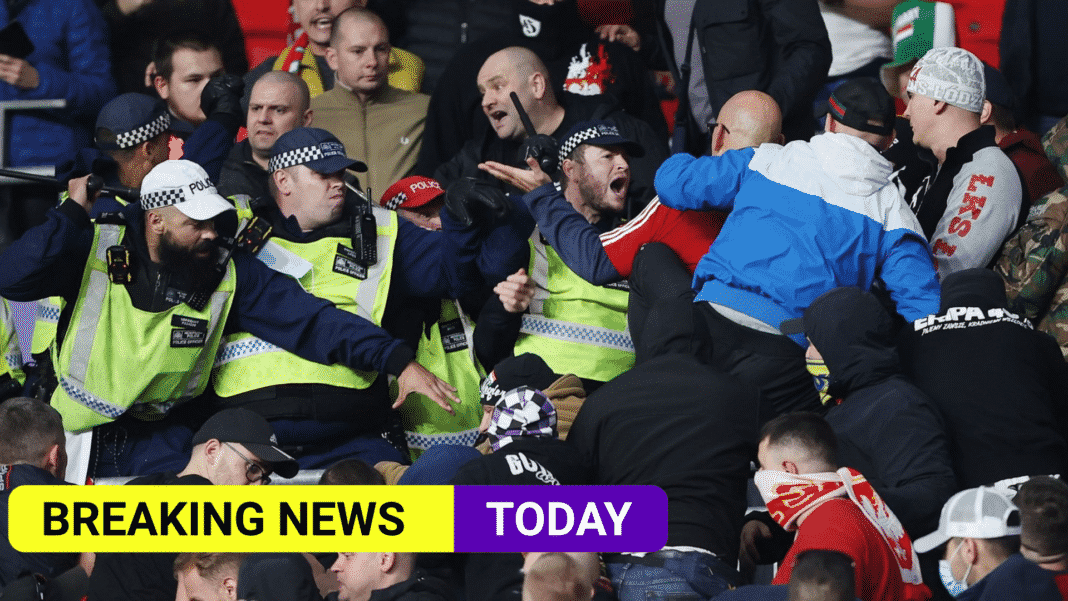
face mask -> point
(821, 377)
(945, 572)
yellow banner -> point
(312, 519)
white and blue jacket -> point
(804, 218)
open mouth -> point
(322, 23)
(619, 184)
(498, 116)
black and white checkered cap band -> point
(162, 198)
(305, 154)
(580, 137)
(396, 201)
(144, 133)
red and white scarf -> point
(790, 496)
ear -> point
(790, 467)
(331, 58)
(970, 550)
(53, 461)
(828, 124)
(212, 450)
(984, 115)
(308, 114)
(229, 588)
(568, 168)
(719, 139)
(155, 222)
(940, 106)
(537, 85)
(283, 181)
(387, 561)
(162, 87)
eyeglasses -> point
(253, 471)
(712, 123)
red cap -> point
(411, 193)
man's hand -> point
(18, 73)
(128, 6)
(515, 292)
(748, 556)
(78, 190)
(524, 179)
(416, 378)
(624, 34)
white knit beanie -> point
(952, 75)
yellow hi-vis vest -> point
(48, 311)
(10, 353)
(449, 353)
(117, 358)
(576, 327)
(324, 268)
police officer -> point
(355, 255)
(11, 376)
(574, 326)
(446, 345)
(150, 295)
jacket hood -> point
(976, 287)
(1055, 143)
(853, 164)
(420, 587)
(853, 333)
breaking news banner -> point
(318, 519)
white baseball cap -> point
(974, 513)
(185, 186)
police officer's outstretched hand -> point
(221, 100)
(79, 192)
(416, 378)
(523, 179)
(470, 201)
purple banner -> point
(615, 519)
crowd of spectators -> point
(799, 263)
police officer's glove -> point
(221, 101)
(469, 201)
(542, 148)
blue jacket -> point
(1015, 578)
(805, 218)
(72, 61)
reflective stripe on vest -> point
(117, 358)
(422, 442)
(9, 343)
(44, 329)
(246, 362)
(423, 417)
(574, 326)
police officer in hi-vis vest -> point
(151, 295)
(574, 326)
(355, 254)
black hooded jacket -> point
(1000, 385)
(887, 428)
(419, 587)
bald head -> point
(517, 69)
(350, 17)
(747, 119)
(292, 85)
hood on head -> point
(854, 334)
(978, 287)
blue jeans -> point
(685, 575)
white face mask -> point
(945, 572)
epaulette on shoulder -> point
(110, 218)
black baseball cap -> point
(316, 149)
(862, 104)
(130, 119)
(997, 88)
(598, 133)
(251, 430)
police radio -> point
(364, 228)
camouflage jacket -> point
(1034, 260)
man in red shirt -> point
(833, 509)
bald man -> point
(280, 102)
(805, 218)
(517, 69)
(378, 123)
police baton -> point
(94, 185)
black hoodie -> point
(887, 428)
(1001, 386)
